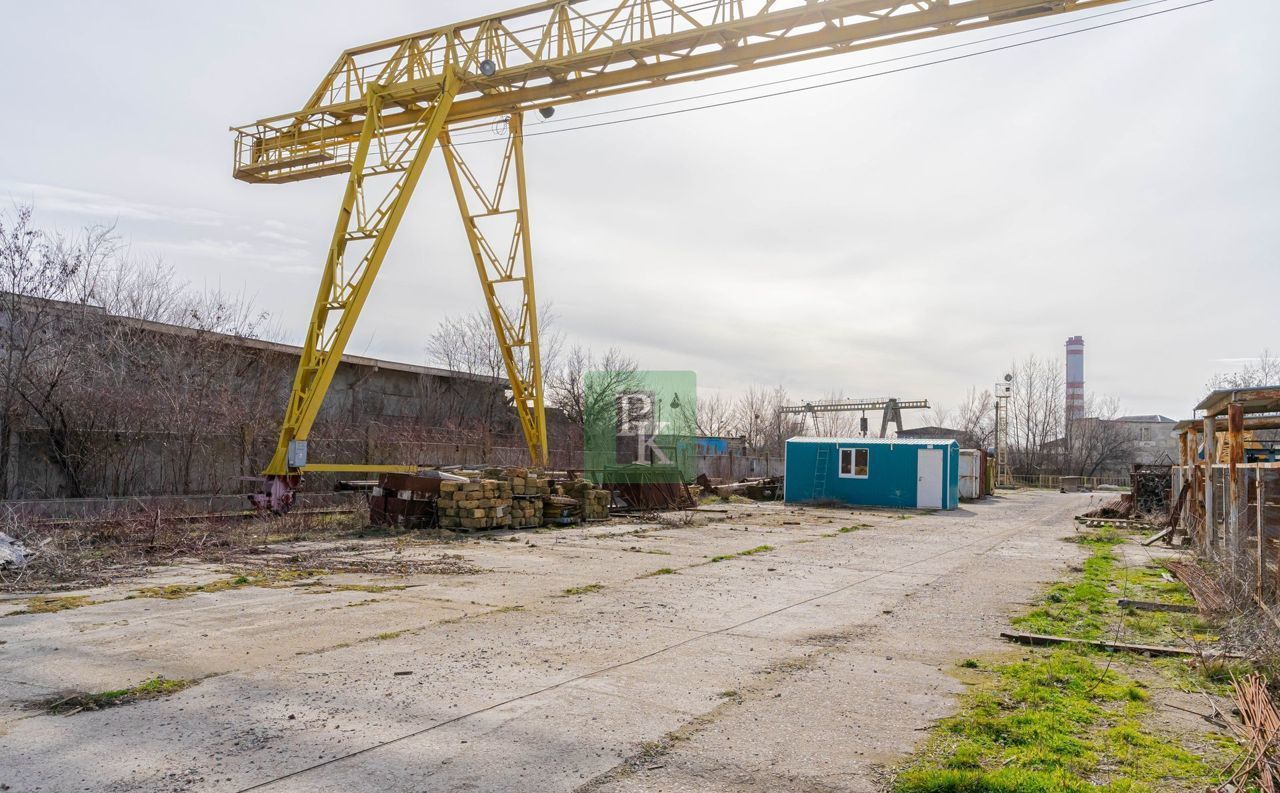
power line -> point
(855, 67)
(859, 78)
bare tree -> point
(46, 282)
(1099, 442)
(759, 418)
(714, 416)
(1036, 411)
(116, 401)
(1262, 371)
(468, 344)
(976, 418)
(570, 392)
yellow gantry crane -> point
(383, 107)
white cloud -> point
(106, 207)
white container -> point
(970, 474)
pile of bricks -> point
(481, 504)
(594, 503)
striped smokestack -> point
(1075, 378)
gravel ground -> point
(814, 665)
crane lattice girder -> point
(553, 53)
(855, 406)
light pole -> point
(1004, 390)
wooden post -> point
(1210, 517)
(1262, 535)
(1237, 494)
(1195, 501)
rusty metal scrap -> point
(1209, 595)
(1259, 766)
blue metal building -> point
(884, 472)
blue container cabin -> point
(917, 473)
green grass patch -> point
(388, 636)
(1057, 722)
(854, 527)
(582, 590)
(47, 604)
(658, 572)
(748, 552)
(1087, 608)
(262, 578)
(1064, 720)
(152, 689)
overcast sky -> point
(907, 235)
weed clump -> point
(152, 689)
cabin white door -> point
(929, 479)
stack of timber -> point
(561, 510)
(1116, 512)
(760, 488)
(474, 505)
(526, 513)
(1152, 489)
(1116, 509)
(594, 502)
(524, 482)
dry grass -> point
(90, 553)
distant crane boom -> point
(383, 107)
(890, 407)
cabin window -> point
(855, 463)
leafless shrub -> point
(84, 553)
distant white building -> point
(1153, 439)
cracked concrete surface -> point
(811, 667)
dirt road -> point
(570, 661)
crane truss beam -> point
(554, 53)
(361, 238)
(855, 406)
(490, 215)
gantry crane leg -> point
(349, 272)
(499, 215)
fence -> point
(1054, 481)
(1233, 516)
(733, 467)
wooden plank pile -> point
(561, 510)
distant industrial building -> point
(1154, 439)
